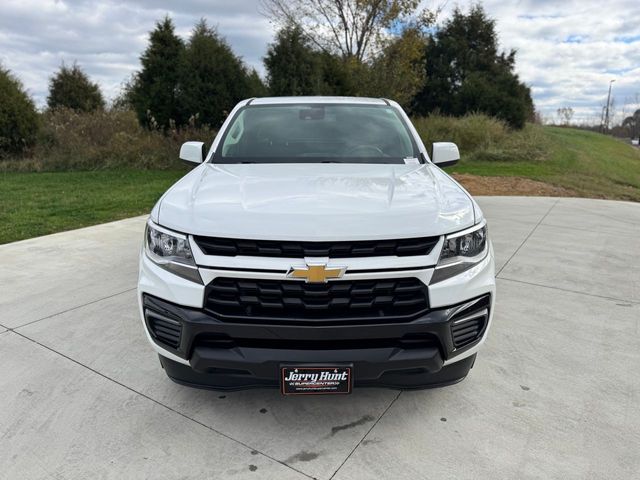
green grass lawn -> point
(34, 204)
(590, 164)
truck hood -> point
(316, 202)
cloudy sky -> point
(568, 50)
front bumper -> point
(238, 355)
(225, 355)
(416, 378)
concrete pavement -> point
(554, 393)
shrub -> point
(70, 87)
(18, 116)
(72, 140)
(483, 138)
(529, 144)
(471, 132)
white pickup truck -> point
(315, 248)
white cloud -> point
(567, 51)
(106, 37)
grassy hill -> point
(586, 163)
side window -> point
(234, 136)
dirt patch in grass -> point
(480, 185)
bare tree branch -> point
(350, 28)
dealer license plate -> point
(315, 380)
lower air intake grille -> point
(290, 301)
(469, 323)
(164, 329)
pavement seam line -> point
(527, 238)
(157, 402)
(71, 309)
(604, 297)
(366, 434)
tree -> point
(466, 73)
(70, 87)
(632, 124)
(350, 28)
(565, 114)
(340, 77)
(214, 79)
(348, 47)
(18, 116)
(155, 90)
(398, 71)
(255, 85)
(293, 66)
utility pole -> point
(606, 115)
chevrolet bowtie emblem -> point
(316, 272)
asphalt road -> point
(554, 394)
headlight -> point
(461, 251)
(171, 251)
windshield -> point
(341, 133)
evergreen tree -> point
(18, 116)
(155, 90)
(214, 79)
(293, 66)
(340, 76)
(255, 85)
(466, 73)
(70, 87)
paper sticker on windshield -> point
(411, 161)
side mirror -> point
(192, 152)
(445, 154)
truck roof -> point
(316, 99)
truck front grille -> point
(232, 247)
(290, 301)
